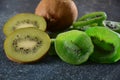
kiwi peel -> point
(24, 20)
(75, 50)
(26, 45)
(106, 46)
(59, 14)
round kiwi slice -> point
(113, 25)
(52, 48)
(24, 20)
(106, 45)
(73, 47)
(26, 45)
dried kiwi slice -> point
(74, 46)
(26, 45)
(24, 20)
(106, 45)
(52, 51)
(113, 25)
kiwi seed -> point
(27, 50)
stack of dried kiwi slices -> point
(26, 38)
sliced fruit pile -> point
(74, 46)
(26, 40)
(91, 37)
(54, 29)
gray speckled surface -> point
(52, 68)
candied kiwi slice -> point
(24, 20)
(26, 45)
(52, 51)
(73, 47)
(113, 25)
(106, 45)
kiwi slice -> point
(73, 46)
(106, 44)
(52, 51)
(24, 20)
(113, 25)
(26, 45)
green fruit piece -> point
(26, 45)
(106, 45)
(89, 20)
(113, 25)
(73, 47)
(52, 51)
(24, 20)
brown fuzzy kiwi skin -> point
(59, 14)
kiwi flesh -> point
(24, 20)
(26, 45)
(73, 47)
(113, 25)
(59, 14)
(52, 51)
(106, 44)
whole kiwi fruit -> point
(59, 14)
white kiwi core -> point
(27, 44)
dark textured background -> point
(52, 68)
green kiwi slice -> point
(26, 45)
(73, 47)
(24, 20)
(52, 51)
(106, 44)
(113, 25)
